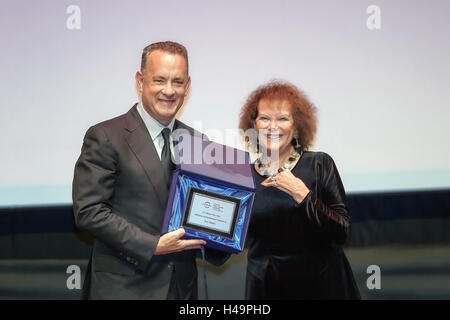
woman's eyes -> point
(267, 119)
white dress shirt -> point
(155, 129)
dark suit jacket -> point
(119, 196)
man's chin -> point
(166, 118)
(166, 112)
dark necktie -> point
(166, 159)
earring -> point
(257, 145)
(252, 147)
(297, 144)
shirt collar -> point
(153, 126)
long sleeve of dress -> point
(326, 205)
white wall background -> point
(383, 95)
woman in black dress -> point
(300, 217)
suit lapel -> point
(180, 125)
(140, 142)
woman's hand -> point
(287, 182)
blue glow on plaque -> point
(184, 182)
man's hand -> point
(171, 242)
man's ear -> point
(188, 87)
(139, 80)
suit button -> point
(170, 265)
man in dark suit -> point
(120, 189)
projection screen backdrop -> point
(378, 72)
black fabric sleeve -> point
(326, 206)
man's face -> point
(163, 85)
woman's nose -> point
(273, 125)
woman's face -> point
(275, 125)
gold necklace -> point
(287, 165)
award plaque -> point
(211, 213)
(212, 201)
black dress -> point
(294, 251)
